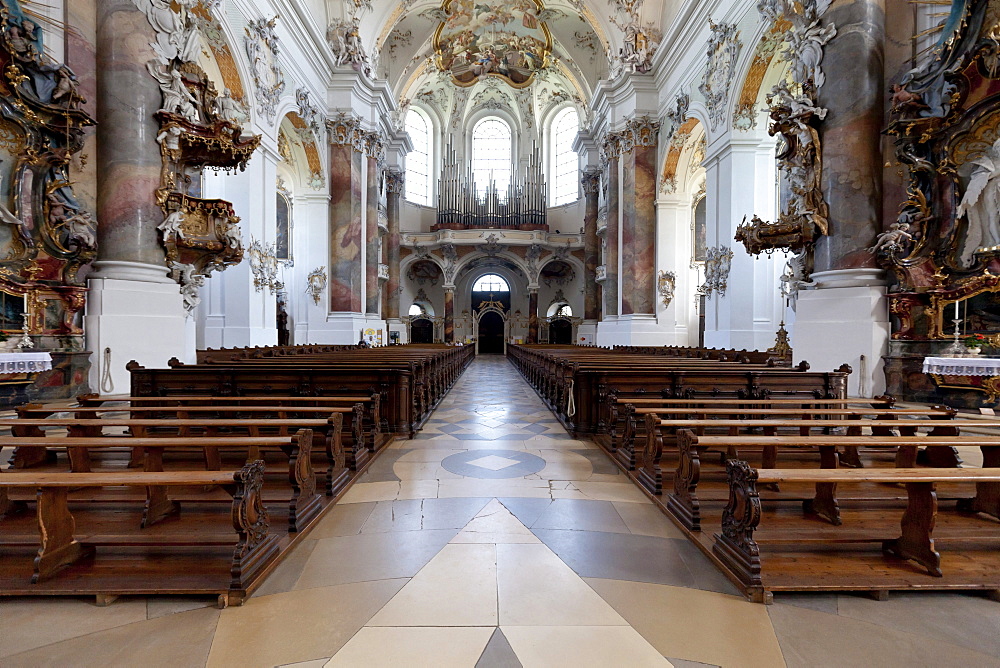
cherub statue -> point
(80, 230)
(172, 226)
(892, 240)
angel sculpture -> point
(8, 218)
(172, 226)
(177, 98)
(80, 230)
(892, 240)
(981, 206)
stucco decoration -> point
(178, 36)
(640, 42)
(717, 263)
(723, 50)
(261, 44)
(666, 283)
(316, 284)
(344, 37)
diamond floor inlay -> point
(494, 463)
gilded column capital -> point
(374, 144)
(343, 129)
(641, 131)
(610, 146)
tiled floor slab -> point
(375, 556)
(458, 587)
(538, 589)
(809, 638)
(581, 647)
(416, 647)
(183, 639)
(498, 653)
(696, 625)
(581, 516)
(297, 626)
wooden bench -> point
(303, 507)
(738, 550)
(684, 504)
(255, 546)
(625, 450)
(357, 420)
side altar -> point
(943, 248)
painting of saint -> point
(483, 38)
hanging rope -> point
(107, 384)
(570, 403)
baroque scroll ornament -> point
(261, 43)
(723, 50)
(316, 283)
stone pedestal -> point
(842, 320)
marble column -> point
(610, 150)
(532, 315)
(844, 319)
(393, 187)
(128, 164)
(134, 310)
(638, 256)
(371, 231)
(449, 314)
(850, 134)
(591, 245)
(346, 281)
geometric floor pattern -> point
(427, 564)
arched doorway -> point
(422, 331)
(561, 332)
(491, 334)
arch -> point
(679, 142)
(491, 282)
(307, 142)
(494, 309)
(766, 56)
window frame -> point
(551, 178)
(476, 122)
(503, 280)
(430, 153)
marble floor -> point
(493, 539)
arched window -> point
(563, 163)
(491, 283)
(417, 309)
(492, 155)
(418, 161)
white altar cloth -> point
(25, 362)
(962, 366)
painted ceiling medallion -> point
(492, 38)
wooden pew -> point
(735, 546)
(627, 454)
(684, 504)
(266, 419)
(303, 506)
(255, 546)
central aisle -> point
(492, 540)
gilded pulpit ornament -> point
(492, 38)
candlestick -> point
(956, 311)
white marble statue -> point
(177, 98)
(227, 108)
(981, 206)
(80, 230)
(172, 226)
(177, 32)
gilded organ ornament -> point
(492, 38)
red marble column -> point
(449, 315)
(591, 245)
(393, 186)
(638, 268)
(128, 162)
(346, 144)
(610, 151)
(850, 134)
(373, 147)
(532, 315)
